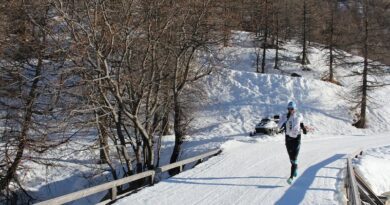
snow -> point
(242, 98)
(374, 167)
(255, 172)
(72, 167)
(250, 170)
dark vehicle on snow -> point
(268, 126)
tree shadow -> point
(297, 191)
(73, 161)
(200, 181)
(67, 186)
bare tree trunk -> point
(103, 140)
(304, 34)
(179, 135)
(104, 146)
(331, 44)
(22, 137)
(265, 37)
(276, 65)
(225, 26)
(258, 60)
(287, 21)
(361, 123)
(125, 154)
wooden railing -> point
(358, 191)
(114, 184)
(351, 185)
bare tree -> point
(193, 39)
(304, 59)
(333, 40)
(31, 106)
(266, 33)
(372, 21)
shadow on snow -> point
(200, 181)
(297, 191)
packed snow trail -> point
(255, 172)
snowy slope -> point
(240, 97)
(255, 172)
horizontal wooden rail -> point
(96, 189)
(353, 198)
(114, 184)
(187, 161)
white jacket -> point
(293, 124)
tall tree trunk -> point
(104, 149)
(276, 66)
(179, 135)
(159, 140)
(258, 60)
(304, 34)
(361, 123)
(331, 45)
(125, 154)
(103, 141)
(225, 26)
(265, 38)
(148, 144)
(286, 21)
(138, 156)
(26, 124)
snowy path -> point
(255, 173)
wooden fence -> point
(351, 185)
(113, 185)
(358, 191)
(356, 188)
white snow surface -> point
(250, 170)
(255, 172)
(374, 166)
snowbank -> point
(374, 166)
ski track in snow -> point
(256, 173)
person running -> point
(292, 124)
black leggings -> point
(293, 145)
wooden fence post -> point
(114, 192)
(181, 168)
(152, 178)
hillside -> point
(240, 97)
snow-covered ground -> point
(254, 171)
(239, 97)
(251, 170)
(374, 166)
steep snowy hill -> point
(239, 97)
